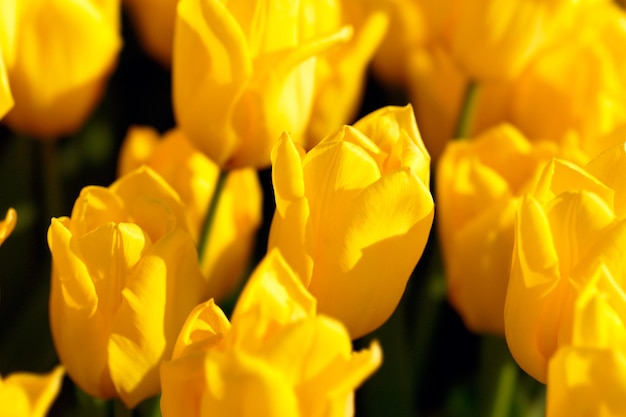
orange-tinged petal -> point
(6, 98)
(7, 225)
(152, 311)
(29, 395)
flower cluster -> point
(239, 216)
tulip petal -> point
(273, 296)
(374, 240)
(139, 340)
(287, 175)
(610, 168)
(26, 394)
(335, 172)
(73, 305)
(205, 327)
(148, 200)
(95, 206)
(7, 225)
(6, 98)
(211, 60)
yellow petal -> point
(6, 98)
(29, 395)
(273, 296)
(610, 168)
(534, 275)
(205, 327)
(155, 303)
(79, 331)
(370, 241)
(137, 148)
(150, 202)
(211, 66)
(7, 225)
(95, 206)
(287, 175)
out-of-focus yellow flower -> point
(29, 395)
(7, 225)
(576, 86)
(492, 39)
(193, 176)
(565, 228)
(437, 88)
(479, 183)
(339, 73)
(6, 98)
(154, 23)
(125, 276)
(353, 214)
(277, 359)
(407, 30)
(587, 377)
(58, 54)
(244, 73)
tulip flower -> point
(7, 225)
(29, 395)
(576, 86)
(479, 183)
(193, 176)
(587, 376)
(58, 55)
(154, 24)
(125, 276)
(353, 214)
(276, 358)
(564, 228)
(244, 73)
(339, 73)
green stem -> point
(467, 111)
(499, 376)
(120, 410)
(210, 215)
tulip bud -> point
(565, 227)
(277, 358)
(125, 276)
(193, 177)
(29, 395)
(479, 183)
(59, 57)
(154, 23)
(353, 215)
(587, 376)
(244, 73)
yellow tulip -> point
(58, 54)
(154, 24)
(244, 73)
(193, 176)
(491, 39)
(29, 395)
(339, 73)
(125, 276)
(565, 228)
(587, 376)
(7, 225)
(479, 183)
(6, 98)
(576, 86)
(437, 88)
(353, 214)
(277, 358)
